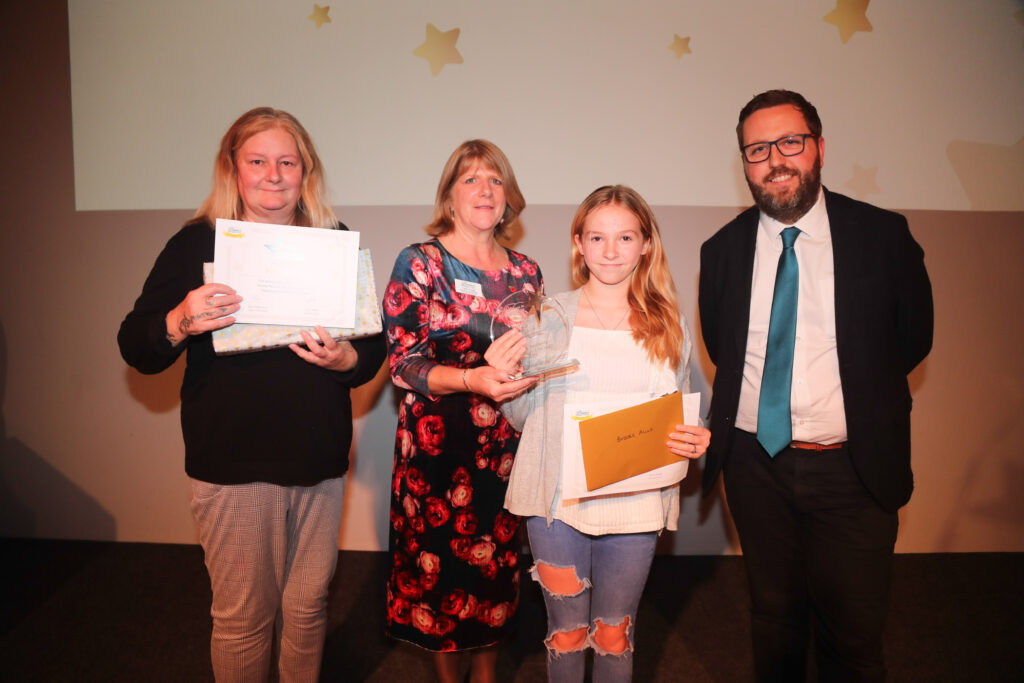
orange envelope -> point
(630, 441)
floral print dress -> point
(454, 581)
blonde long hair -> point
(461, 159)
(654, 307)
(313, 209)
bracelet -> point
(464, 382)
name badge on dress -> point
(469, 288)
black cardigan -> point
(263, 416)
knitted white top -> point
(614, 367)
(540, 412)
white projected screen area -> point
(922, 107)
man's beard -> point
(789, 209)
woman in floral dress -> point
(454, 581)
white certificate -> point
(574, 477)
(287, 275)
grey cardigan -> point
(538, 414)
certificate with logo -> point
(614, 447)
(287, 275)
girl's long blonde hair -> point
(654, 307)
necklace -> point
(596, 315)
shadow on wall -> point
(988, 493)
(369, 469)
(35, 498)
(993, 507)
(159, 393)
(915, 380)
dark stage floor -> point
(84, 611)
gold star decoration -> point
(319, 15)
(864, 182)
(849, 16)
(439, 48)
(681, 46)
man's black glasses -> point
(789, 146)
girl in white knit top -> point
(592, 555)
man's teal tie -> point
(774, 425)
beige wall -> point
(90, 449)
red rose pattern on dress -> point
(454, 581)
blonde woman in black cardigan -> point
(267, 434)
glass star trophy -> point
(544, 325)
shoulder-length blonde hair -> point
(313, 209)
(654, 308)
(464, 156)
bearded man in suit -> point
(814, 308)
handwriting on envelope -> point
(630, 441)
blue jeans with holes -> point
(613, 569)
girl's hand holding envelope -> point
(689, 441)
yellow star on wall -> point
(439, 48)
(849, 16)
(864, 182)
(681, 46)
(319, 15)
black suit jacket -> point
(884, 323)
